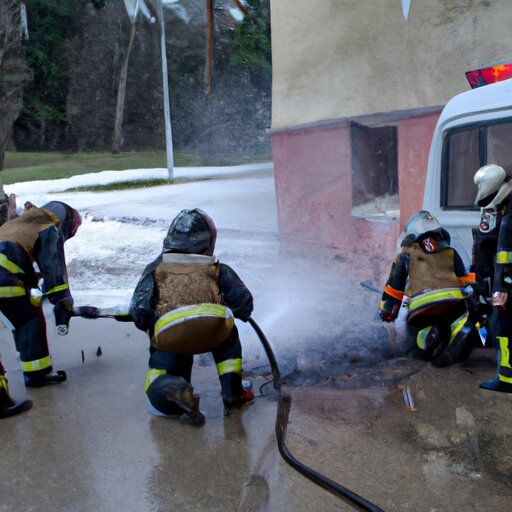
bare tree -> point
(13, 70)
(121, 90)
(133, 7)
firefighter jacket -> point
(167, 285)
(33, 238)
(414, 270)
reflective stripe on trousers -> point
(36, 365)
(3, 384)
(152, 374)
(230, 366)
(504, 367)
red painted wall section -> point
(312, 182)
(414, 136)
(314, 197)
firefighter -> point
(492, 259)
(32, 253)
(429, 278)
(187, 301)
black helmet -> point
(70, 219)
(422, 223)
(191, 232)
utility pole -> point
(165, 84)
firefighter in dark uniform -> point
(187, 273)
(32, 252)
(429, 277)
(492, 260)
(8, 406)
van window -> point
(465, 150)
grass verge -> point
(25, 166)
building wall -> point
(413, 147)
(314, 197)
(314, 190)
(340, 58)
(337, 62)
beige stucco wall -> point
(339, 58)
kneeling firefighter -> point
(186, 301)
(430, 278)
(36, 238)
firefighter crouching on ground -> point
(492, 255)
(431, 277)
(187, 295)
(36, 237)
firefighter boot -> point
(8, 407)
(37, 380)
(497, 385)
(174, 396)
(234, 393)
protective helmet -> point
(420, 223)
(488, 179)
(191, 232)
(70, 219)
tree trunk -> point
(13, 70)
(121, 93)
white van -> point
(474, 129)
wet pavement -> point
(90, 443)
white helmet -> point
(488, 179)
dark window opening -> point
(374, 170)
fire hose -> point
(283, 412)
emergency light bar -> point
(489, 75)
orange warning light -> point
(489, 75)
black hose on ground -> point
(283, 411)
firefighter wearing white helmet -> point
(429, 277)
(492, 264)
(489, 180)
